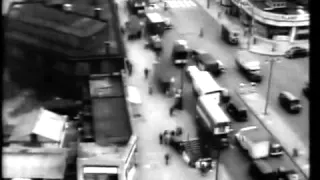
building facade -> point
(269, 19)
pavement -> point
(275, 124)
(154, 119)
(262, 46)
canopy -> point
(134, 95)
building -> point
(65, 46)
(80, 41)
(107, 145)
(274, 19)
(37, 147)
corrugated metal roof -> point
(34, 164)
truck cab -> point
(230, 34)
(180, 52)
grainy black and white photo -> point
(156, 90)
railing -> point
(250, 8)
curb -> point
(263, 124)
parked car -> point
(206, 62)
(296, 52)
(237, 110)
(289, 102)
(250, 66)
(306, 90)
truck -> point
(230, 33)
(249, 66)
(258, 143)
(265, 170)
(134, 27)
(137, 7)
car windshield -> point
(181, 55)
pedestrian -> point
(167, 157)
(161, 138)
(295, 152)
(146, 72)
(171, 110)
(150, 90)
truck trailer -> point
(258, 143)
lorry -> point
(249, 66)
(264, 170)
(137, 7)
(258, 143)
(230, 33)
(134, 27)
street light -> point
(217, 165)
(251, 27)
(271, 61)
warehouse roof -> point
(68, 33)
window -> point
(181, 55)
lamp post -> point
(271, 61)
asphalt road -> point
(287, 75)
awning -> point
(42, 165)
(50, 125)
(134, 95)
(46, 124)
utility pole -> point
(218, 162)
(271, 61)
(251, 26)
(208, 4)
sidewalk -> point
(263, 46)
(279, 129)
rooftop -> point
(109, 109)
(68, 33)
(291, 9)
(256, 134)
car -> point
(289, 102)
(296, 52)
(180, 52)
(206, 62)
(237, 110)
(306, 89)
(249, 66)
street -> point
(187, 21)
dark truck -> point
(230, 33)
(263, 170)
(137, 7)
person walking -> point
(167, 157)
(161, 138)
(171, 110)
(150, 90)
(146, 73)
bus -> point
(213, 119)
(155, 24)
(204, 84)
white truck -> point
(258, 143)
